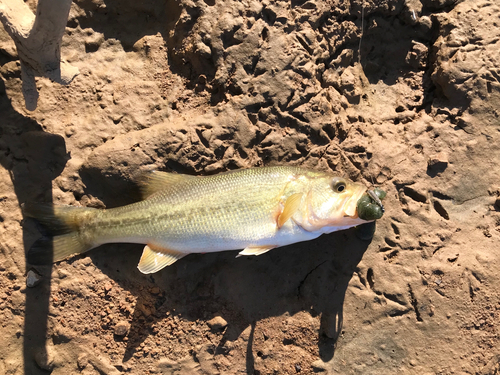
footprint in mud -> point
(414, 194)
(366, 279)
(391, 242)
(438, 207)
(370, 277)
(393, 300)
(475, 282)
(436, 198)
(411, 198)
(414, 303)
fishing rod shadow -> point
(33, 159)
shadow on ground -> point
(311, 276)
(33, 158)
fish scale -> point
(199, 213)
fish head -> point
(331, 204)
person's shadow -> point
(33, 158)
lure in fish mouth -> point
(370, 205)
(256, 209)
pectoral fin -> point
(155, 258)
(292, 204)
(255, 250)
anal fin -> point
(255, 250)
(155, 258)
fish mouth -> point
(351, 205)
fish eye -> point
(338, 186)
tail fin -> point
(63, 228)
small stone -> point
(93, 42)
(318, 366)
(11, 69)
(82, 361)
(217, 324)
(62, 335)
(350, 85)
(331, 77)
(440, 159)
(86, 262)
(44, 358)
(426, 22)
(121, 328)
(32, 279)
(61, 274)
(417, 58)
(107, 287)
(69, 131)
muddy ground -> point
(404, 95)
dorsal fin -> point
(155, 181)
(155, 258)
(292, 204)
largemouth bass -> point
(255, 209)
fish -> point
(256, 209)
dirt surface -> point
(404, 95)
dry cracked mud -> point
(404, 95)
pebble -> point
(426, 22)
(32, 279)
(318, 366)
(82, 361)
(217, 324)
(107, 287)
(121, 328)
(438, 159)
(44, 358)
